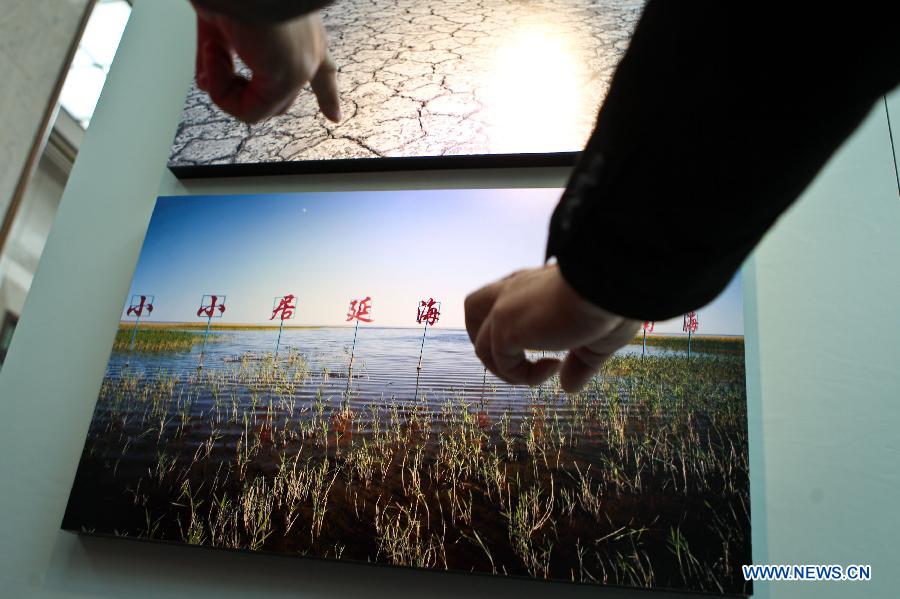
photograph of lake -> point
(292, 375)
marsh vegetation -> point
(640, 480)
(155, 340)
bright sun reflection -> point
(535, 93)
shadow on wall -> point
(6, 333)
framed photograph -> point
(431, 85)
(292, 375)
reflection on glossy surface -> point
(536, 81)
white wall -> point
(893, 107)
(822, 295)
(20, 257)
(825, 479)
(35, 39)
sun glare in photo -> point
(534, 93)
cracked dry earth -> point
(437, 78)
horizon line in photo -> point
(200, 324)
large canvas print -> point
(292, 375)
(428, 84)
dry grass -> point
(640, 480)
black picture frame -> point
(372, 165)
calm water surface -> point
(384, 365)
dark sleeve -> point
(718, 117)
(262, 11)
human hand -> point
(536, 309)
(282, 56)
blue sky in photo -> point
(398, 247)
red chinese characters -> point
(210, 305)
(690, 323)
(286, 307)
(360, 310)
(140, 304)
(429, 312)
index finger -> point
(511, 364)
(580, 366)
(325, 87)
(478, 305)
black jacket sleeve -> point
(718, 116)
(262, 11)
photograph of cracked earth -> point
(436, 78)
